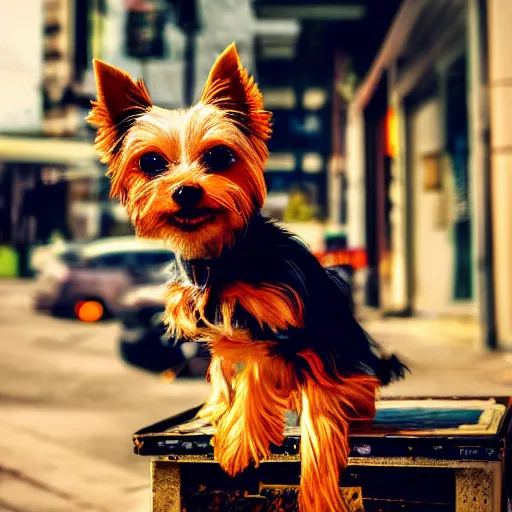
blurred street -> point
(390, 156)
(68, 405)
(68, 409)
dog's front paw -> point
(232, 456)
(238, 443)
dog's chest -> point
(244, 289)
(203, 313)
(259, 310)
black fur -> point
(267, 253)
(124, 121)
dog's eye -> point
(218, 158)
(152, 164)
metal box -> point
(443, 454)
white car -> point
(88, 280)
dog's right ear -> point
(230, 88)
(120, 100)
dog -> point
(279, 326)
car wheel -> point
(150, 356)
(198, 367)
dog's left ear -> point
(120, 101)
(229, 87)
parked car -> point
(144, 342)
(87, 281)
(45, 254)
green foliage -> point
(299, 208)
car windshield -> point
(136, 261)
(158, 274)
(70, 256)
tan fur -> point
(182, 137)
(220, 375)
(255, 417)
(184, 308)
(277, 306)
(328, 404)
(251, 386)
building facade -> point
(298, 91)
(307, 71)
(218, 25)
(36, 55)
(51, 181)
(423, 156)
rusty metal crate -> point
(443, 454)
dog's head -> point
(191, 177)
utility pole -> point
(481, 169)
(144, 32)
(188, 21)
(189, 68)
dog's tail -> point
(390, 369)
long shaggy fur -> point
(256, 415)
(278, 306)
(220, 375)
(327, 406)
(278, 325)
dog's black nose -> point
(188, 196)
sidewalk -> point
(37, 475)
(444, 356)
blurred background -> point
(391, 156)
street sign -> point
(145, 23)
(356, 258)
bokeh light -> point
(89, 311)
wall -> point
(433, 245)
(223, 22)
(21, 40)
(500, 82)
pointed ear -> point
(229, 87)
(120, 101)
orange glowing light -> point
(391, 133)
(89, 311)
(168, 376)
(354, 257)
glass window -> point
(149, 259)
(113, 260)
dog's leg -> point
(220, 374)
(255, 418)
(324, 450)
(261, 390)
(327, 407)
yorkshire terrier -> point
(279, 327)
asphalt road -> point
(69, 405)
(63, 382)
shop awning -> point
(422, 35)
(46, 151)
(402, 25)
(329, 10)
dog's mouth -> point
(191, 219)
